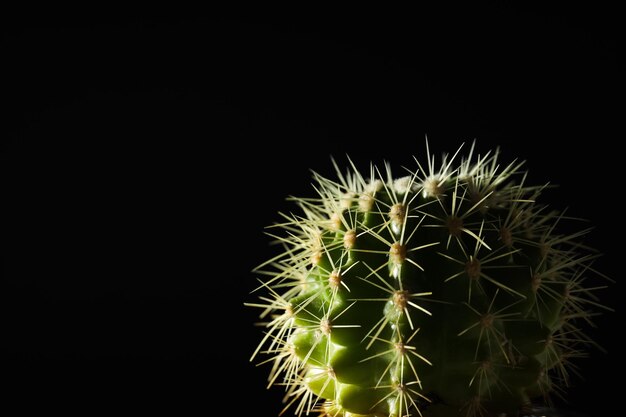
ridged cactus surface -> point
(442, 289)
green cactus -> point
(448, 290)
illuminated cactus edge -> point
(447, 290)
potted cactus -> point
(446, 289)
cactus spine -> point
(447, 290)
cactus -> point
(446, 290)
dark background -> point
(143, 156)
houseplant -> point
(445, 289)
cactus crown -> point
(446, 290)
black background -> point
(143, 156)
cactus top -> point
(446, 290)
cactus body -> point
(445, 290)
